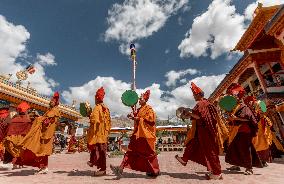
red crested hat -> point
(236, 89)
(249, 99)
(55, 98)
(146, 95)
(23, 107)
(4, 112)
(100, 94)
(196, 90)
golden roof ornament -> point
(258, 8)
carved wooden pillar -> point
(259, 76)
(281, 46)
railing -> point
(171, 147)
(31, 91)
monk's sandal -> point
(211, 176)
(100, 173)
(248, 172)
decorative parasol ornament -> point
(132, 52)
(22, 75)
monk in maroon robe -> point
(203, 147)
(244, 126)
(141, 155)
(4, 114)
(16, 131)
(263, 140)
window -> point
(256, 82)
(276, 68)
(247, 89)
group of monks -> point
(245, 135)
(26, 137)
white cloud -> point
(208, 84)
(183, 81)
(13, 39)
(47, 59)
(163, 106)
(173, 76)
(180, 21)
(217, 30)
(136, 19)
(186, 8)
(113, 89)
(251, 7)
(167, 51)
(39, 79)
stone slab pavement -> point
(72, 169)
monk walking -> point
(263, 139)
(100, 124)
(241, 152)
(19, 126)
(4, 115)
(202, 144)
(141, 155)
(38, 143)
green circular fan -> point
(83, 110)
(262, 106)
(228, 103)
(129, 98)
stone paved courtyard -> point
(72, 168)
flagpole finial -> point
(133, 58)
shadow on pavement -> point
(184, 176)
(20, 173)
(76, 173)
(132, 175)
(277, 162)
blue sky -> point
(75, 46)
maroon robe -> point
(19, 126)
(4, 121)
(203, 148)
(98, 155)
(241, 151)
(265, 155)
(141, 155)
(4, 118)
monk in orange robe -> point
(16, 131)
(38, 143)
(202, 144)
(241, 151)
(263, 139)
(97, 136)
(141, 155)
